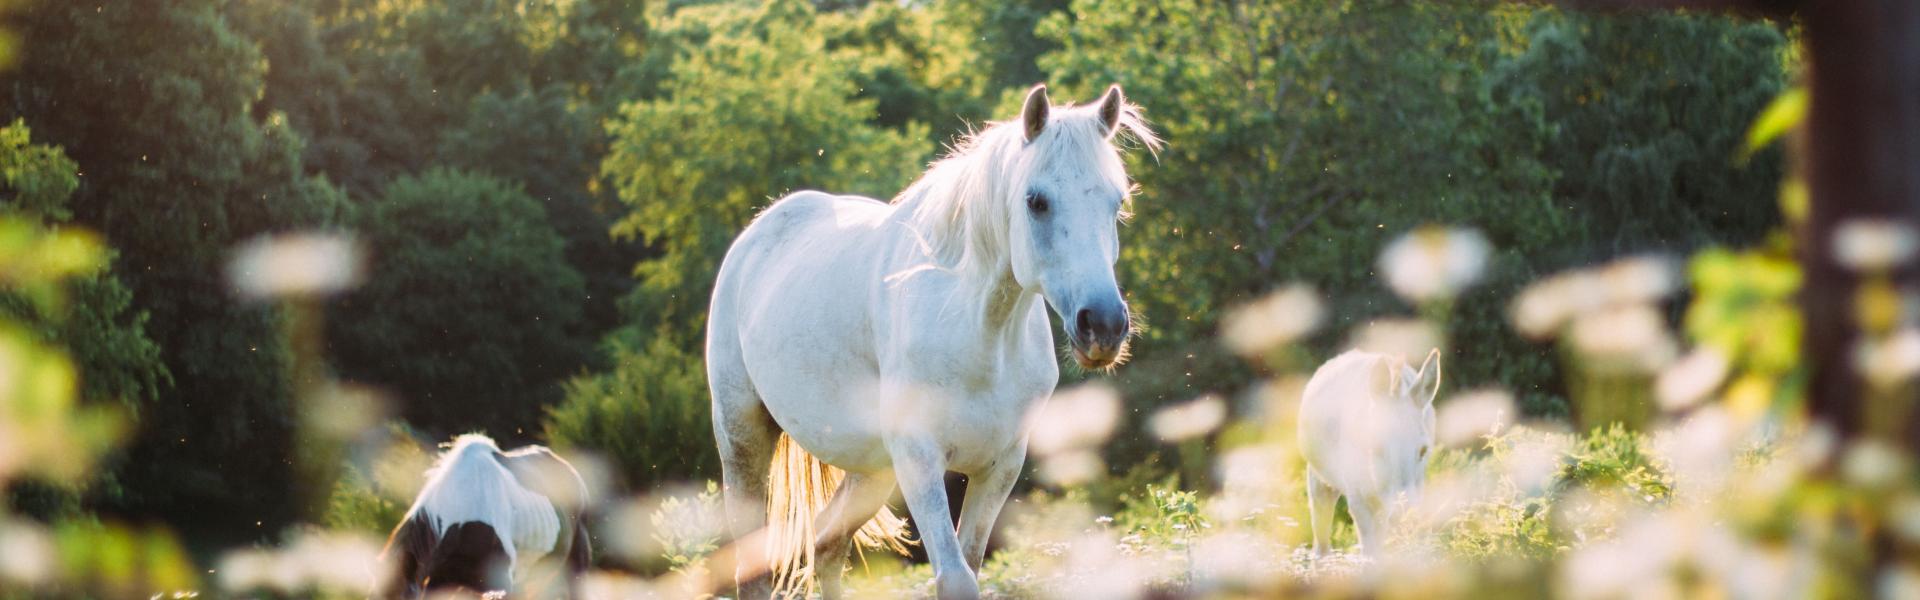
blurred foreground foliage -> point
(54, 431)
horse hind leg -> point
(746, 435)
(859, 497)
(1320, 502)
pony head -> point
(1063, 237)
(1414, 390)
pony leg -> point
(1366, 513)
(922, 469)
(860, 496)
(986, 495)
(746, 434)
(1320, 503)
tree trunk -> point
(1862, 162)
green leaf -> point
(1786, 110)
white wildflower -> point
(1434, 263)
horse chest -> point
(986, 425)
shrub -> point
(649, 416)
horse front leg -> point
(921, 467)
(987, 493)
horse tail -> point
(798, 489)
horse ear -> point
(1034, 113)
(1110, 108)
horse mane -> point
(960, 207)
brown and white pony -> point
(491, 521)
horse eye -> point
(1423, 452)
(1037, 203)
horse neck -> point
(1006, 307)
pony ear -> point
(1034, 113)
(1110, 108)
(1429, 372)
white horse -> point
(490, 521)
(898, 342)
(1366, 428)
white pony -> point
(491, 521)
(898, 342)
(1366, 428)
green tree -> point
(758, 111)
(1301, 138)
(1637, 133)
(153, 99)
(95, 322)
(516, 90)
(89, 314)
(469, 308)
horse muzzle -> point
(1100, 334)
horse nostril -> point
(1082, 321)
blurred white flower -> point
(1106, 572)
(1236, 560)
(1467, 416)
(1637, 280)
(1540, 310)
(1691, 379)
(1075, 418)
(336, 561)
(1397, 337)
(304, 264)
(1701, 450)
(1071, 468)
(1637, 564)
(1905, 513)
(1873, 245)
(1434, 263)
(613, 584)
(316, 561)
(1634, 337)
(245, 570)
(1192, 419)
(1534, 460)
(1252, 479)
(632, 536)
(1897, 581)
(1280, 317)
(26, 554)
(1873, 464)
(1891, 360)
(1446, 495)
(343, 410)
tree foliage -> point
(1303, 137)
(534, 177)
(153, 100)
(760, 110)
(469, 317)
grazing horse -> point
(1366, 429)
(871, 344)
(491, 521)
